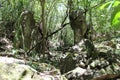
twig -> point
(58, 30)
(98, 4)
(86, 10)
(62, 26)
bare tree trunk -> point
(43, 26)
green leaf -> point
(116, 20)
(116, 3)
(105, 5)
(110, 4)
(115, 17)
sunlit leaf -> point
(105, 5)
(115, 16)
(116, 3)
(110, 4)
(116, 20)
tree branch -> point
(62, 26)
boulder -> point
(15, 69)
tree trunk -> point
(77, 22)
(27, 24)
(44, 27)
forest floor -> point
(73, 63)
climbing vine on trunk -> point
(77, 22)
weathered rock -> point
(79, 74)
(5, 44)
(14, 69)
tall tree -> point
(43, 26)
(77, 21)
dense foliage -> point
(59, 32)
